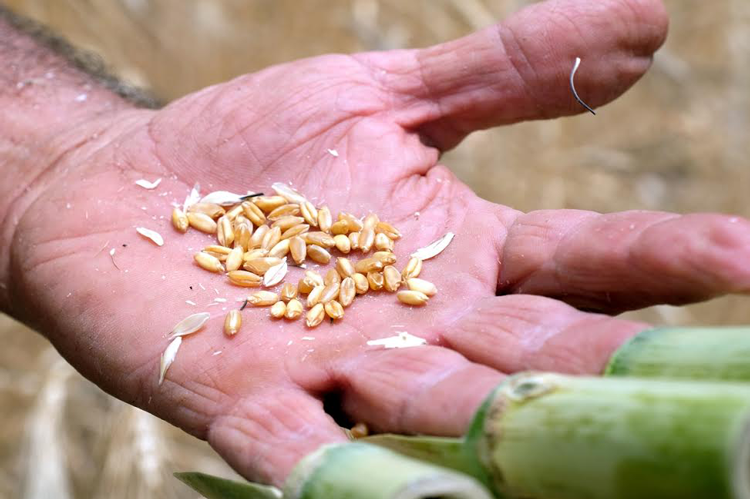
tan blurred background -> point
(678, 141)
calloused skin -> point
(512, 286)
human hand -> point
(388, 115)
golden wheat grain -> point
(253, 213)
(392, 278)
(422, 286)
(342, 243)
(280, 250)
(298, 248)
(324, 219)
(234, 259)
(293, 309)
(340, 227)
(412, 269)
(244, 278)
(269, 203)
(315, 315)
(309, 213)
(202, 222)
(361, 284)
(334, 310)
(347, 292)
(385, 257)
(375, 279)
(295, 231)
(208, 262)
(332, 276)
(285, 210)
(313, 297)
(212, 210)
(180, 220)
(288, 291)
(232, 322)
(318, 254)
(263, 298)
(368, 265)
(344, 267)
(383, 242)
(278, 310)
(319, 238)
(224, 232)
(414, 298)
(270, 239)
(261, 265)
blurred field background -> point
(678, 141)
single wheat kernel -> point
(242, 219)
(278, 310)
(340, 227)
(180, 220)
(284, 210)
(285, 223)
(208, 262)
(426, 287)
(288, 291)
(269, 203)
(324, 219)
(313, 297)
(304, 286)
(389, 230)
(244, 278)
(280, 250)
(242, 235)
(272, 237)
(309, 213)
(366, 239)
(298, 248)
(315, 316)
(354, 240)
(368, 265)
(220, 252)
(359, 430)
(287, 192)
(412, 269)
(415, 298)
(212, 210)
(344, 267)
(385, 257)
(257, 238)
(347, 291)
(234, 259)
(392, 278)
(371, 220)
(263, 298)
(332, 276)
(318, 254)
(232, 322)
(202, 222)
(253, 213)
(334, 310)
(320, 238)
(375, 279)
(293, 309)
(355, 224)
(224, 232)
(383, 243)
(314, 277)
(342, 243)
(254, 254)
(330, 292)
(261, 265)
(295, 231)
(361, 284)
(234, 212)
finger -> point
(626, 260)
(519, 69)
(524, 332)
(265, 437)
(429, 390)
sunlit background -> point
(678, 141)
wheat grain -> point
(288, 291)
(385, 257)
(293, 309)
(361, 284)
(220, 252)
(366, 239)
(371, 220)
(284, 211)
(344, 267)
(383, 242)
(295, 231)
(318, 254)
(257, 238)
(355, 224)
(309, 213)
(263, 298)
(288, 193)
(375, 279)
(298, 248)
(334, 310)
(285, 223)
(330, 292)
(280, 250)
(324, 219)
(270, 239)
(208, 262)
(392, 278)
(368, 265)
(412, 269)
(179, 220)
(254, 254)
(253, 213)
(320, 238)
(224, 232)
(313, 297)
(340, 227)
(389, 230)
(342, 243)
(354, 240)
(332, 276)
(269, 203)
(261, 265)
(347, 292)
(422, 286)
(202, 222)
(244, 278)
(414, 298)
(315, 315)
(210, 209)
(233, 212)
(232, 322)
(234, 259)
(242, 235)
(278, 310)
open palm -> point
(361, 133)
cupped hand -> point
(361, 134)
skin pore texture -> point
(517, 290)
